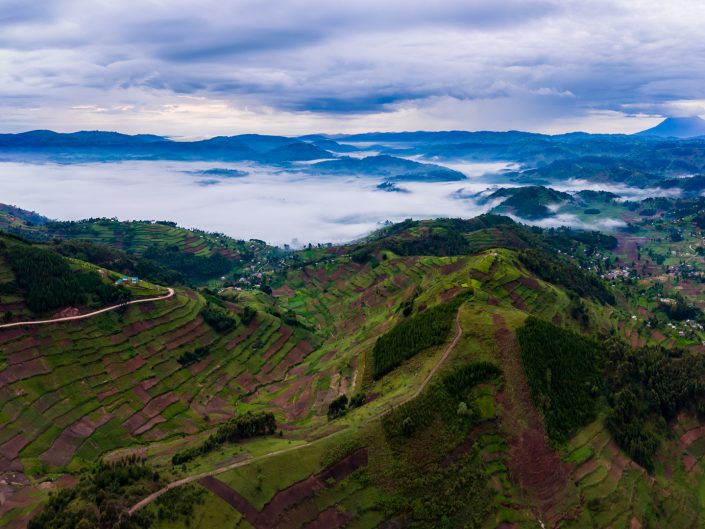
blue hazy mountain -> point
(49, 138)
(334, 146)
(451, 136)
(642, 160)
(106, 146)
(389, 167)
(689, 127)
(297, 151)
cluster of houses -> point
(624, 273)
(127, 281)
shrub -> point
(191, 357)
(218, 318)
(337, 407)
(248, 314)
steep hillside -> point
(406, 387)
(161, 251)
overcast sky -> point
(202, 68)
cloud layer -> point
(218, 67)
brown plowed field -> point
(533, 465)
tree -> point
(337, 407)
(462, 408)
(248, 314)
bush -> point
(218, 318)
(248, 314)
(337, 407)
(191, 357)
(358, 400)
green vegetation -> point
(441, 398)
(236, 429)
(195, 267)
(191, 357)
(469, 451)
(434, 491)
(337, 407)
(218, 318)
(563, 370)
(413, 335)
(681, 309)
(50, 283)
(564, 273)
(118, 260)
(649, 388)
(178, 504)
(248, 314)
(101, 498)
(340, 405)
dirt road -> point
(170, 293)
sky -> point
(192, 69)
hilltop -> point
(157, 250)
(683, 127)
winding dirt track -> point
(170, 293)
(189, 479)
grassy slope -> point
(345, 305)
(609, 490)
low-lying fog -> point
(276, 206)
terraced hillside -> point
(463, 432)
(197, 256)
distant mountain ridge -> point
(101, 145)
(686, 127)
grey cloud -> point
(564, 58)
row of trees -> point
(241, 427)
(191, 357)
(340, 405)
